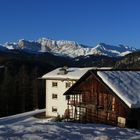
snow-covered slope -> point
(26, 127)
(69, 48)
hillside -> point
(22, 63)
(130, 61)
(19, 73)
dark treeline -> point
(130, 61)
(20, 88)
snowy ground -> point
(26, 127)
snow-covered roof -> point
(72, 73)
(126, 84)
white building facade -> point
(57, 82)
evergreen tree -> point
(35, 87)
(8, 92)
(23, 88)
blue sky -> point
(85, 21)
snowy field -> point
(26, 127)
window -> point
(67, 97)
(109, 103)
(54, 84)
(68, 84)
(54, 109)
(54, 96)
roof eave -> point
(55, 78)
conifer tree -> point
(23, 88)
(8, 91)
(35, 87)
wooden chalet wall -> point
(92, 101)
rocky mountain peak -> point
(69, 48)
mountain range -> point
(67, 48)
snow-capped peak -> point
(111, 50)
(69, 48)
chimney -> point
(63, 71)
